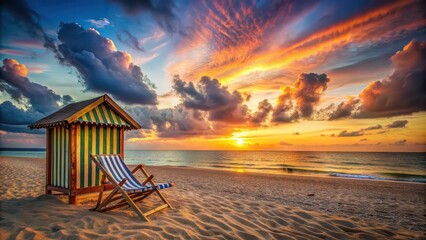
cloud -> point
(274, 47)
(177, 122)
(38, 100)
(163, 11)
(285, 143)
(309, 88)
(404, 92)
(16, 83)
(10, 114)
(401, 142)
(344, 109)
(284, 111)
(345, 133)
(130, 40)
(296, 133)
(209, 95)
(102, 67)
(26, 19)
(263, 110)
(99, 23)
(364, 139)
(398, 124)
(299, 101)
(378, 126)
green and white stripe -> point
(60, 156)
(103, 114)
(94, 140)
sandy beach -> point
(213, 204)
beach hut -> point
(73, 133)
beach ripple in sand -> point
(28, 214)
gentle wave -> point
(419, 178)
(380, 166)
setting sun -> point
(240, 141)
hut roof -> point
(80, 112)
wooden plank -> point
(122, 142)
(58, 189)
(48, 161)
(155, 210)
(93, 189)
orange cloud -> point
(230, 50)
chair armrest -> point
(140, 166)
(148, 180)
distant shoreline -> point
(213, 150)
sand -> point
(212, 204)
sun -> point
(240, 141)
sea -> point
(363, 165)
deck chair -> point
(126, 186)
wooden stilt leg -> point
(71, 199)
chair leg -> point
(149, 178)
(164, 199)
(133, 205)
(107, 199)
(99, 198)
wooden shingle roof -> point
(109, 113)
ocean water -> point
(381, 166)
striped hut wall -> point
(60, 154)
(103, 114)
(93, 139)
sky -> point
(222, 75)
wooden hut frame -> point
(94, 126)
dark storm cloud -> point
(130, 40)
(299, 101)
(209, 95)
(373, 127)
(263, 110)
(26, 19)
(404, 92)
(102, 67)
(345, 133)
(10, 114)
(163, 11)
(15, 82)
(398, 124)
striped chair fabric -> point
(115, 165)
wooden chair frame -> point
(124, 198)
